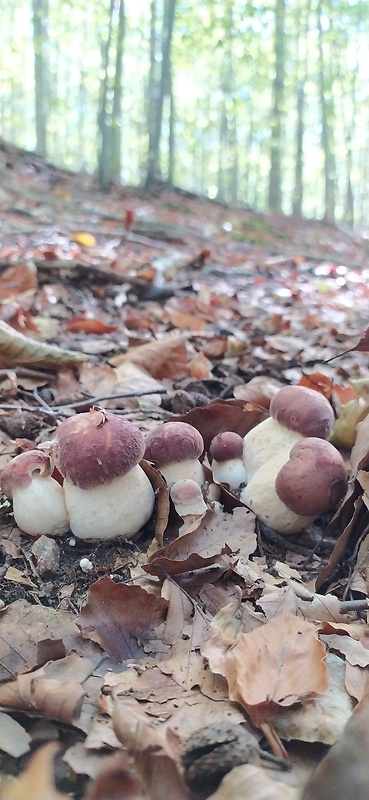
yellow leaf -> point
(84, 238)
(37, 780)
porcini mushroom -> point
(38, 500)
(296, 412)
(187, 498)
(107, 493)
(289, 494)
(226, 450)
(175, 447)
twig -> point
(79, 405)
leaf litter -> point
(158, 311)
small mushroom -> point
(187, 498)
(289, 494)
(175, 448)
(107, 493)
(38, 500)
(296, 412)
(226, 450)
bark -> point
(40, 17)
(275, 173)
(115, 156)
(326, 111)
(103, 114)
(161, 89)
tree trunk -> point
(162, 84)
(326, 111)
(115, 155)
(40, 18)
(103, 113)
(275, 173)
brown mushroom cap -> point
(314, 479)
(226, 446)
(303, 410)
(18, 473)
(94, 448)
(173, 441)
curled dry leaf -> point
(16, 349)
(217, 534)
(37, 780)
(121, 618)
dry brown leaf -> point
(37, 780)
(16, 350)
(274, 666)
(14, 739)
(24, 626)
(118, 779)
(344, 772)
(166, 358)
(223, 415)
(55, 689)
(200, 367)
(360, 451)
(322, 718)
(121, 618)
(250, 782)
(217, 534)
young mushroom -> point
(226, 450)
(296, 412)
(289, 494)
(107, 493)
(38, 500)
(175, 448)
(187, 498)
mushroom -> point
(107, 493)
(187, 498)
(226, 450)
(175, 447)
(296, 412)
(289, 494)
(38, 500)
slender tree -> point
(40, 18)
(326, 110)
(162, 83)
(276, 144)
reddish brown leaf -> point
(223, 415)
(88, 325)
(121, 618)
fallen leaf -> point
(84, 238)
(88, 325)
(249, 782)
(273, 667)
(37, 780)
(14, 739)
(17, 349)
(121, 618)
(166, 358)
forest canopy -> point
(247, 102)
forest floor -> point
(155, 667)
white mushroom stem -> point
(266, 440)
(261, 497)
(231, 471)
(39, 508)
(118, 508)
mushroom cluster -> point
(285, 471)
(105, 492)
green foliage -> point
(223, 67)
